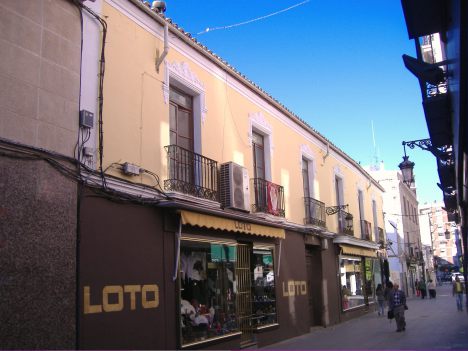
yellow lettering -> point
(291, 288)
(132, 289)
(285, 292)
(112, 307)
(144, 297)
(298, 287)
(303, 288)
(87, 307)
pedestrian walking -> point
(379, 292)
(457, 291)
(397, 303)
(431, 285)
(416, 286)
(439, 279)
(422, 288)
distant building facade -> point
(400, 205)
(442, 233)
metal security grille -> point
(244, 295)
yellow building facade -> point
(250, 225)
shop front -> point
(153, 278)
(236, 285)
(360, 272)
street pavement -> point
(430, 324)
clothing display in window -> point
(207, 291)
(263, 289)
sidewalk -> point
(430, 324)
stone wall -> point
(40, 73)
(39, 96)
(37, 256)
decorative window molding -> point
(306, 152)
(360, 186)
(179, 74)
(258, 122)
(337, 172)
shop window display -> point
(370, 287)
(352, 282)
(263, 288)
(207, 290)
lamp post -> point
(331, 210)
(447, 234)
(406, 168)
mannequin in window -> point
(258, 270)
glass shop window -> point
(370, 284)
(352, 282)
(263, 288)
(207, 290)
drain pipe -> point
(166, 47)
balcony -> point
(191, 173)
(314, 212)
(269, 197)
(345, 226)
(379, 235)
(366, 230)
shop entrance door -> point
(314, 284)
(244, 293)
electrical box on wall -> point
(86, 119)
(130, 169)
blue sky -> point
(336, 64)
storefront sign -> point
(114, 296)
(243, 226)
(294, 288)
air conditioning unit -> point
(234, 187)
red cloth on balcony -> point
(272, 198)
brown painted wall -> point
(293, 310)
(37, 256)
(124, 245)
(332, 300)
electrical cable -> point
(101, 84)
(252, 20)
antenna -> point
(375, 166)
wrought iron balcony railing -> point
(365, 230)
(380, 234)
(269, 197)
(191, 173)
(344, 228)
(314, 212)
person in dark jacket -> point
(397, 303)
(422, 288)
(388, 289)
(380, 294)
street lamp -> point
(447, 234)
(406, 168)
(331, 210)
